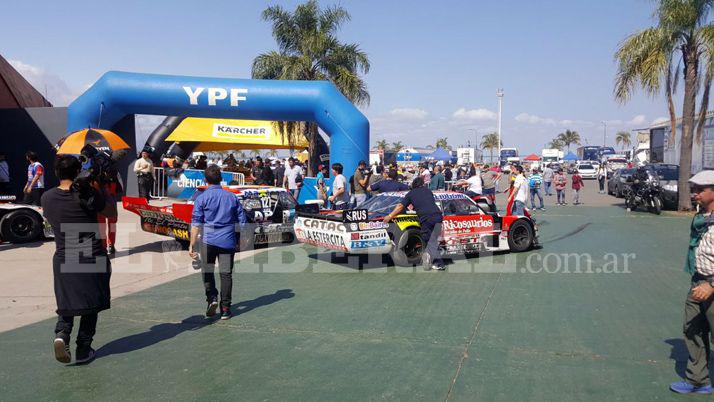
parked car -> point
(587, 171)
(21, 223)
(667, 174)
(270, 211)
(469, 227)
(618, 182)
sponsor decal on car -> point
(323, 225)
(323, 239)
(369, 235)
(355, 215)
(368, 243)
(372, 225)
(457, 224)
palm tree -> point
(556, 143)
(569, 137)
(255, 152)
(397, 146)
(490, 142)
(623, 137)
(443, 142)
(310, 50)
(272, 153)
(382, 145)
(656, 57)
(242, 155)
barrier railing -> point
(161, 182)
(159, 189)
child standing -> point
(560, 180)
(577, 186)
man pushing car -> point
(430, 220)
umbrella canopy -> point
(532, 157)
(440, 155)
(570, 157)
(103, 140)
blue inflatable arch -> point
(118, 94)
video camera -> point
(97, 166)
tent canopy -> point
(532, 157)
(408, 155)
(228, 134)
(440, 155)
(570, 157)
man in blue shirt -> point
(389, 184)
(216, 212)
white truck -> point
(549, 155)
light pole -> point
(499, 94)
(604, 133)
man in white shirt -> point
(340, 193)
(144, 169)
(519, 195)
(292, 175)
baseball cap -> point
(703, 178)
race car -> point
(21, 223)
(469, 227)
(270, 212)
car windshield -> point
(667, 172)
(381, 205)
(586, 167)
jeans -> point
(535, 192)
(146, 185)
(225, 269)
(519, 208)
(576, 196)
(33, 197)
(360, 198)
(429, 225)
(295, 192)
(601, 182)
(561, 195)
(548, 187)
(87, 328)
(697, 318)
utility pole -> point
(604, 133)
(499, 94)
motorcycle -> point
(644, 194)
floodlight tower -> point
(499, 94)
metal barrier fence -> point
(161, 182)
(159, 189)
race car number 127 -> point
(355, 215)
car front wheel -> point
(520, 236)
(21, 226)
(408, 248)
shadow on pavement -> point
(679, 354)
(354, 261)
(34, 244)
(162, 332)
(159, 246)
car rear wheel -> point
(21, 226)
(520, 236)
(408, 249)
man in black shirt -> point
(80, 265)
(279, 173)
(389, 184)
(430, 218)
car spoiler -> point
(344, 216)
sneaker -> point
(62, 353)
(85, 354)
(225, 313)
(111, 249)
(542, 208)
(211, 309)
(683, 387)
(438, 267)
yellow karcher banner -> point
(226, 134)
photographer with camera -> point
(359, 181)
(80, 265)
(144, 169)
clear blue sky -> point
(435, 65)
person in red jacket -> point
(577, 186)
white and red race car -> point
(21, 223)
(270, 212)
(469, 227)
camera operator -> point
(360, 180)
(144, 169)
(80, 265)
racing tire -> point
(20, 226)
(520, 236)
(408, 249)
(657, 207)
